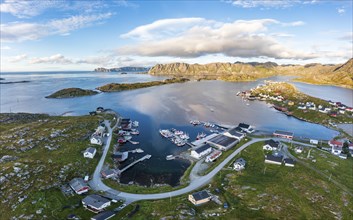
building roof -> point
(223, 140)
(202, 148)
(108, 172)
(238, 129)
(283, 133)
(336, 143)
(272, 143)
(241, 161)
(274, 158)
(200, 195)
(103, 215)
(91, 150)
(77, 184)
(121, 155)
(234, 132)
(289, 161)
(95, 201)
(243, 125)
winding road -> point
(195, 181)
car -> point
(225, 205)
(120, 207)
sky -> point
(59, 35)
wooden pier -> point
(146, 157)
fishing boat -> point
(184, 136)
(127, 137)
(200, 136)
(169, 157)
(134, 132)
(139, 150)
(135, 123)
(195, 122)
(166, 133)
(134, 142)
(121, 140)
(177, 132)
(238, 93)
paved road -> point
(195, 183)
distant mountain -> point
(315, 73)
(122, 69)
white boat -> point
(169, 157)
(184, 136)
(127, 137)
(177, 132)
(134, 132)
(139, 150)
(166, 133)
(195, 122)
(134, 142)
(135, 123)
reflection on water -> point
(157, 107)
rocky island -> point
(115, 87)
(71, 92)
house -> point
(96, 140)
(298, 150)
(273, 159)
(213, 156)
(333, 114)
(289, 162)
(108, 173)
(283, 134)
(247, 128)
(100, 130)
(343, 156)
(120, 156)
(199, 198)
(79, 186)
(223, 142)
(95, 203)
(312, 141)
(271, 145)
(202, 151)
(301, 107)
(349, 109)
(104, 215)
(239, 164)
(93, 113)
(89, 152)
(341, 111)
(312, 107)
(100, 109)
(233, 133)
(336, 147)
(290, 103)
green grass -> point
(261, 191)
(44, 167)
(224, 155)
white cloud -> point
(17, 31)
(27, 8)
(18, 58)
(294, 24)
(341, 11)
(241, 38)
(54, 59)
(5, 48)
(269, 3)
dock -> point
(137, 150)
(225, 126)
(146, 157)
(203, 140)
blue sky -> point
(82, 35)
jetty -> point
(146, 157)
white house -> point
(273, 159)
(288, 162)
(96, 140)
(298, 150)
(271, 145)
(89, 152)
(301, 107)
(239, 164)
(79, 186)
(95, 203)
(336, 147)
(202, 151)
(343, 156)
(247, 128)
(313, 141)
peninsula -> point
(122, 69)
(339, 75)
(71, 92)
(115, 87)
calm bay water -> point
(159, 107)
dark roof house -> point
(79, 185)
(104, 215)
(95, 203)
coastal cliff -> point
(340, 75)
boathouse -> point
(202, 151)
(223, 142)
